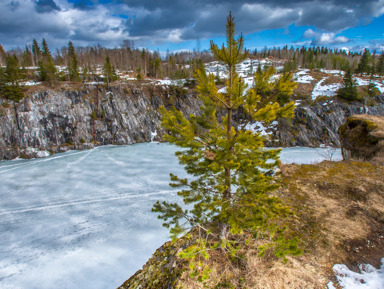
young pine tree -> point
(231, 191)
(109, 72)
(380, 65)
(3, 56)
(364, 65)
(47, 70)
(12, 76)
(73, 70)
(36, 52)
(348, 90)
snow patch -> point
(369, 277)
(325, 90)
(303, 77)
(260, 128)
(360, 81)
(332, 71)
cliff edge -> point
(338, 218)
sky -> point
(190, 24)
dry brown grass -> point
(333, 79)
(304, 90)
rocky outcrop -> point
(48, 121)
(362, 137)
(316, 124)
(58, 120)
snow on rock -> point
(369, 278)
(325, 90)
(153, 135)
(260, 128)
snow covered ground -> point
(245, 69)
(321, 89)
(302, 76)
(82, 219)
(368, 278)
(332, 71)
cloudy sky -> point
(182, 24)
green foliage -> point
(230, 192)
(3, 55)
(109, 72)
(289, 66)
(47, 70)
(372, 90)
(9, 79)
(139, 75)
(73, 70)
(364, 64)
(348, 89)
(93, 115)
(380, 65)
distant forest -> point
(86, 63)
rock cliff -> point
(317, 123)
(48, 121)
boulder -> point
(362, 137)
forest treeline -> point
(78, 63)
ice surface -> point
(369, 277)
(82, 219)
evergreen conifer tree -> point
(27, 57)
(231, 189)
(139, 75)
(364, 64)
(73, 70)
(11, 77)
(348, 89)
(3, 55)
(380, 64)
(47, 70)
(109, 72)
(36, 52)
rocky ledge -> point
(47, 121)
(362, 137)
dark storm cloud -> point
(157, 21)
(46, 6)
(205, 18)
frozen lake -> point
(82, 219)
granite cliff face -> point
(48, 121)
(316, 124)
